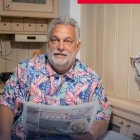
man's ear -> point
(78, 46)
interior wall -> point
(13, 52)
(110, 35)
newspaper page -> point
(43, 120)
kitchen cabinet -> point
(29, 25)
(126, 127)
(5, 24)
(27, 17)
(41, 26)
(17, 24)
(14, 25)
(29, 8)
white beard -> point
(67, 61)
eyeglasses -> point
(67, 41)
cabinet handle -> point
(121, 123)
(7, 6)
(128, 125)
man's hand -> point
(98, 130)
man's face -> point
(62, 46)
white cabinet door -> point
(118, 124)
(29, 8)
(133, 130)
(126, 127)
(29, 5)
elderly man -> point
(54, 78)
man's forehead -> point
(63, 27)
(64, 30)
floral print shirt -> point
(34, 80)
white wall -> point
(75, 12)
(72, 9)
(64, 7)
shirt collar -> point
(70, 74)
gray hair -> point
(64, 20)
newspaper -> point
(43, 120)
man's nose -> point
(61, 45)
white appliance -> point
(30, 38)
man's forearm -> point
(6, 120)
(4, 137)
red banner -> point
(108, 1)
